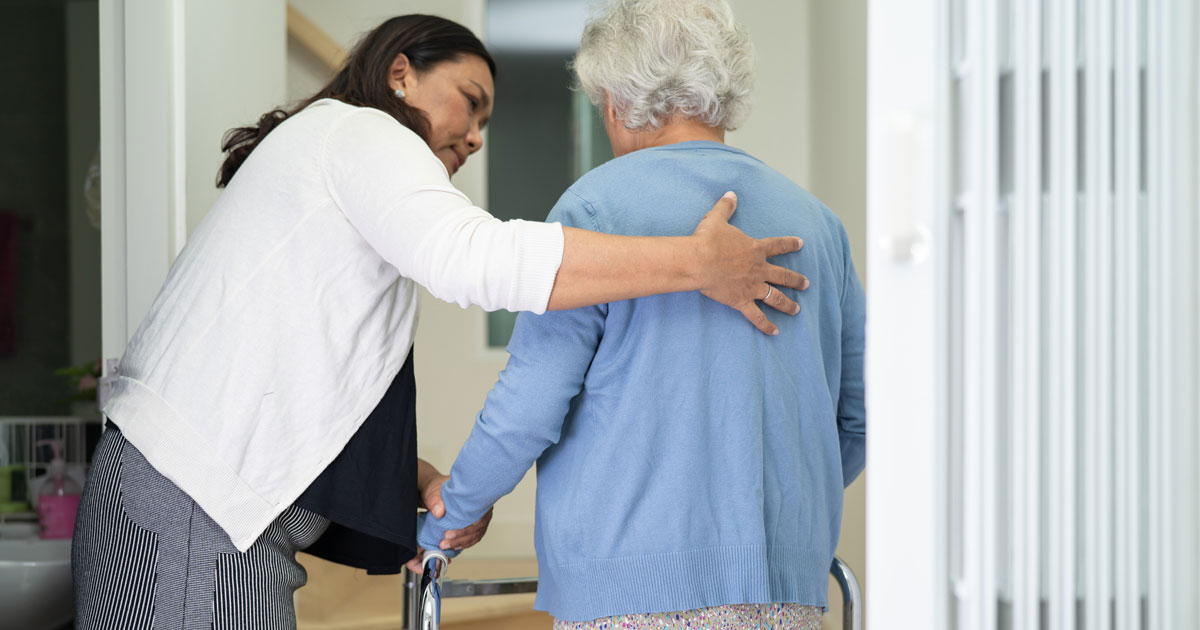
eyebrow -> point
(482, 91)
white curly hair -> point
(658, 59)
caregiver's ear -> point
(401, 74)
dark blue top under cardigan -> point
(369, 493)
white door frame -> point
(906, 360)
(143, 212)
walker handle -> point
(431, 590)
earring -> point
(400, 93)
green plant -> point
(83, 380)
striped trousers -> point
(146, 556)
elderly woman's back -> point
(685, 462)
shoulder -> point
(355, 135)
(617, 172)
(603, 187)
(820, 215)
(369, 125)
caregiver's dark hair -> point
(363, 81)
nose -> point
(474, 138)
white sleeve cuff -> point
(540, 256)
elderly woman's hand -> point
(431, 499)
(738, 275)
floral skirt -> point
(728, 617)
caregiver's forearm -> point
(718, 259)
(598, 268)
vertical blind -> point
(1067, 327)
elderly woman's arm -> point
(524, 413)
(522, 417)
(851, 406)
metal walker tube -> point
(423, 596)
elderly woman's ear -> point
(618, 135)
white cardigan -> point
(294, 305)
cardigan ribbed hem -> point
(685, 580)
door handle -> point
(908, 241)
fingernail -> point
(450, 535)
(801, 243)
(796, 311)
(774, 332)
(729, 195)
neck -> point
(673, 132)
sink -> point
(35, 583)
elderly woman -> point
(690, 472)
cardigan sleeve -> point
(397, 194)
(851, 406)
(524, 413)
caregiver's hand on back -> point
(739, 276)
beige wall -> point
(808, 122)
(839, 178)
(777, 130)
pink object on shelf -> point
(57, 514)
(58, 499)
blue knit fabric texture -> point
(684, 459)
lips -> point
(461, 158)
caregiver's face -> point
(456, 96)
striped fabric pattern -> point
(121, 584)
(254, 589)
(146, 556)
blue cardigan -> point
(685, 460)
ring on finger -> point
(770, 290)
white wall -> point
(234, 59)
